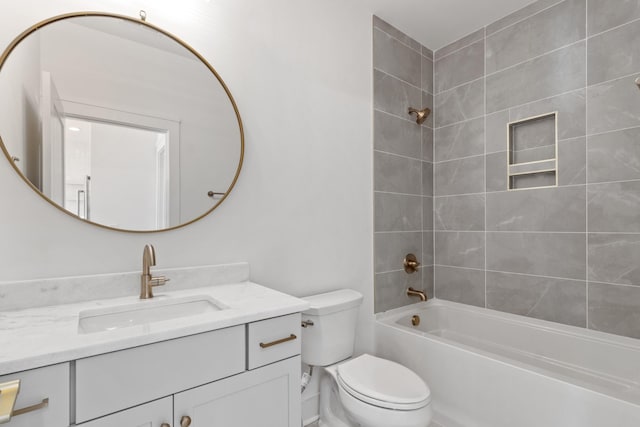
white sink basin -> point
(145, 312)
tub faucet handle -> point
(411, 263)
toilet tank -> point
(331, 338)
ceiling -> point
(436, 23)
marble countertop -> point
(35, 337)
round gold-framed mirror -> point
(118, 122)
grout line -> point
(400, 79)
(459, 231)
(515, 107)
(513, 232)
(523, 19)
(400, 232)
(387, 271)
(458, 86)
(457, 266)
(538, 275)
(459, 122)
(524, 274)
(614, 233)
(422, 190)
(400, 271)
(398, 40)
(457, 159)
(612, 131)
(624, 285)
(565, 140)
(441, 196)
(590, 233)
(399, 194)
(538, 188)
(399, 117)
(586, 168)
(485, 167)
(604, 82)
(460, 48)
(421, 129)
(613, 182)
(612, 28)
(571, 140)
(400, 155)
(533, 58)
(433, 175)
(458, 195)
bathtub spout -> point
(415, 293)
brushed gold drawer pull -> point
(165, 425)
(185, 421)
(8, 395)
(283, 340)
(32, 408)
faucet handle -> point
(159, 280)
(411, 263)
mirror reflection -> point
(118, 123)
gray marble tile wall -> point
(403, 165)
(568, 254)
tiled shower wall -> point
(403, 168)
(569, 254)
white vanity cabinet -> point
(243, 376)
(44, 395)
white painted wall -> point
(301, 212)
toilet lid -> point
(383, 383)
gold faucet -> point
(147, 281)
(416, 293)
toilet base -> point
(332, 413)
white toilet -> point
(366, 391)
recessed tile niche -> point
(533, 152)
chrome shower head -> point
(421, 115)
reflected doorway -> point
(116, 175)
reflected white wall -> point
(20, 108)
(137, 78)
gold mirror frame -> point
(143, 22)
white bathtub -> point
(491, 369)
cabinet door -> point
(152, 414)
(44, 393)
(265, 397)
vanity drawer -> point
(36, 385)
(114, 381)
(273, 339)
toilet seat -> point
(383, 383)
